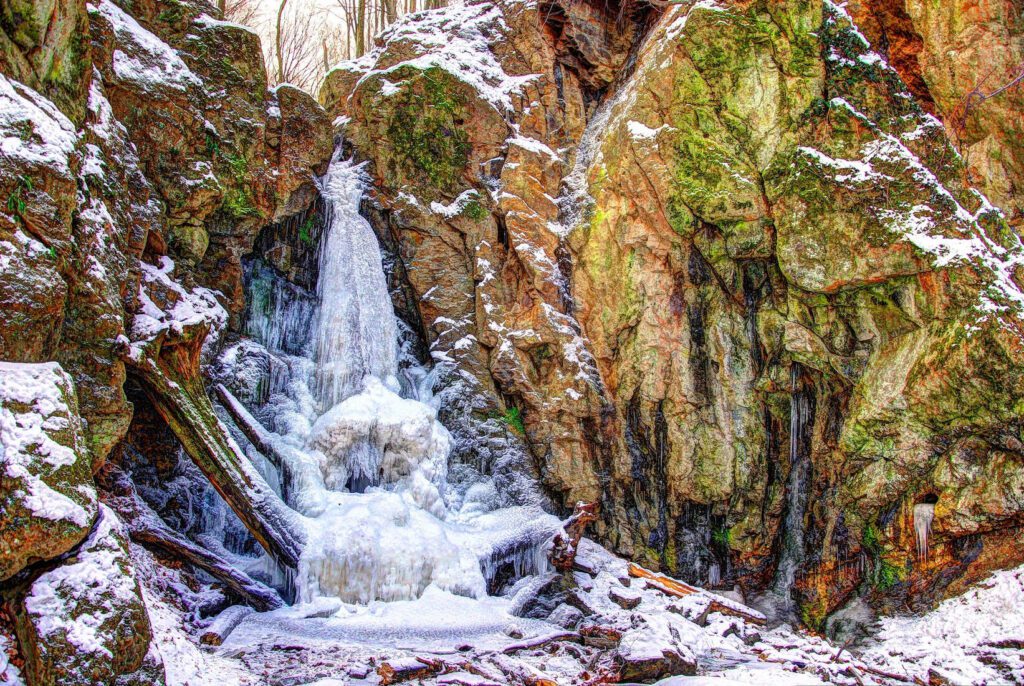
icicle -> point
(801, 416)
(924, 513)
(714, 574)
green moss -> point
(669, 557)
(16, 199)
(814, 613)
(173, 14)
(212, 146)
(887, 575)
(723, 537)
(871, 541)
(474, 210)
(513, 419)
(306, 231)
(238, 204)
(425, 128)
(239, 165)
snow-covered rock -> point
(85, 622)
(47, 496)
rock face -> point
(165, 142)
(963, 62)
(224, 155)
(48, 498)
(45, 46)
(747, 303)
(85, 622)
(714, 266)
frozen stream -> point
(393, 547)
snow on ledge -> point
(456, 39)
(152, 63)
(32, 130)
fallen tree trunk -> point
(174, 386)
(255, 432)
(146, 528)
(164, 539)
(165, 359)
(221, 627)
(674, 587)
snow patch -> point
(33, 132)
(149, 62)
(29, 449)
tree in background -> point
(303, 39)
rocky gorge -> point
(746, 277)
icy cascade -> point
(801, 418)
(367, 466)
(924, 513)
(356, 337)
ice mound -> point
(378, 437)
(378, 546)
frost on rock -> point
(33, 132)
(85, 621)
(167, 307)
(10, 675)
(38, 161)
(934, 221)
(48, 498)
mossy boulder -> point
(84, 622)
(433, 126)
(47, 499)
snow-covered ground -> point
(974, 639)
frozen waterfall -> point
(356, 337)
(369, 467)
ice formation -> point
(367, 460)
(356, 338)
(924, 513)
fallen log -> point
(565, 542)
(146, 528)
(678, 589)
(406, 669)
(222, 626)
(167, 365)
(248, 590)
(254, 431)
(543, 640)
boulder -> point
(47, 496)
(84, 622)
(627, 599)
